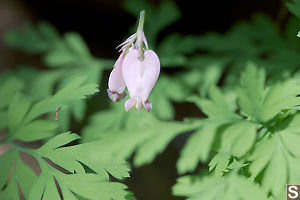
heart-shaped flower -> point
(137, 69)
(140, 77)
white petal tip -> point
(129, 104)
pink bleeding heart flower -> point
(140, 77)
(137, 69)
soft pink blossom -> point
(140, 77)
(137, 69)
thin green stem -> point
(141, 21)
(142, 52)
(139, 33)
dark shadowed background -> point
(103, 24)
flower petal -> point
(151, 72)
(116, 82)
(148, 105)
(140, 76)
(114, 96)
(131, 74)
(129, 104)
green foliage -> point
(8, 90)
(219, 114)
(33, 40)
(23, 122)
(260, 103)
(265, 141)
(219, 163)
(68, 55)
(72, 184)
(294, 7)
(214, 187)
(140, 133)
(246, 83)
(278, 153)
(259, 41)
(21, 175)
(22, 118)
(171, 89)
(193, 151)
(78, 182)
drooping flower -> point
(137, 69)
(140, 77)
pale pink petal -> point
(116, 84)
(131, 74)
(151, 73)
(129, 104)
(140, 76)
